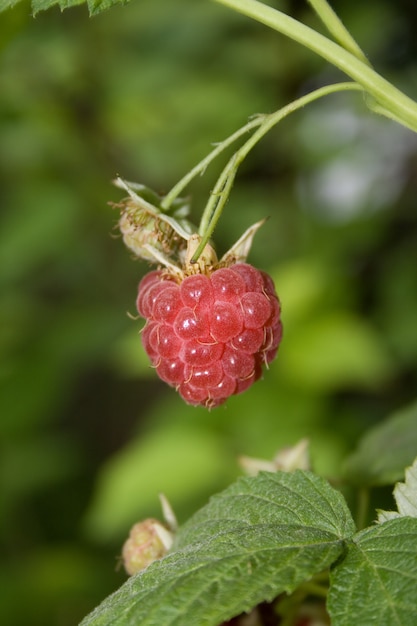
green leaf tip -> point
(294, 499)
(98, 6)
(8, 4)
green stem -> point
(336, 28)
(391, 101)
(220, 193)
(202, 165)
(217, 200)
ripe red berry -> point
(209, 335)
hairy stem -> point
(390, 101)
(220, 193)
(202, 165)
(336, 28)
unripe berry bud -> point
(147, 229)
(148, 541)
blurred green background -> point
(88, 435)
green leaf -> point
(377, 580)
(385, 450)
(94, 6)
(405, 495)
(336, 350)
(7, 4)
(97, 6)
(43, 5)
(294, 499)
(262, 536)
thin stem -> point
(224, 183)
(398, 106)
(202, 165)
(215, 205)
(336, 28)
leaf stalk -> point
(390, 101)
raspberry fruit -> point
(208, 334)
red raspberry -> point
(210, 335)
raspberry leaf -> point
(376, 581)
(262, 536)
(385, 450)
(94, 6)
(294, 500)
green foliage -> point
(376, 580)
(359, 361)
(385, 450)
(94, 6)
(260, 537)
(88, 436)
(264, 536)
